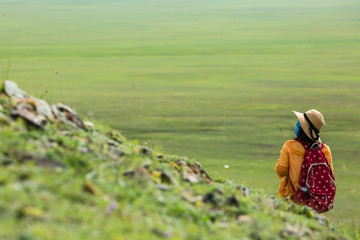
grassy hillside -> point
(62, 178)
(215, 80)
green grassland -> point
(213, 80)
(61, 182)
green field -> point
(213, 80)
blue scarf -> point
(297, 128)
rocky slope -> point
(65, 178)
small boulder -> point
(43, 108)
(12, 90)
(189, 175)
(28, 112)
(66, 114)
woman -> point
(291, 157)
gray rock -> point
(43, 108)
(12, 90)
(163, 187)
(66, 114)
(214, 197)
(57, 113)
(269, 202)
(291, 231)
(167, 178)
(83, 149)
(89, 124)
(193, 173)
(47, 162)
(321, 219)
(112, 143)
(145, 151)
(115, 153)
(244, 190)
(189, 175)
(245, 218)
(28, 112)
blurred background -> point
(212, 80)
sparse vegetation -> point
(62, 181)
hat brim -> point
(305, 126)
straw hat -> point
(311, 122)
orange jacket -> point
(289, 165)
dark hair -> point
(302, 137)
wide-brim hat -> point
(311, 122)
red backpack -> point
(317, 182)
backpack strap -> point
(315, 145)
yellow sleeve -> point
(328, 156)
(282, 166)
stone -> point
(189, 175)
(291, 231)
(12, 90)
(112, 143)
(192, 172)
(244, 190)
(135, 173)
(244, 219)
(43, 108)
(269, 202)
(57, 113)
(145, 151)
(321, 219)
(115, 153)
(200, 171)
(213, 197)
(163, 187)
(47, 162)
(28, 112)
(167, 178)
(114, 136)
(66, 114)
(181, 161)
(89, 124)
(83, 149)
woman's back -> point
(289, 165)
